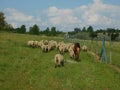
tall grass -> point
(25, 68)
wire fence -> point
(111, 48)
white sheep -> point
(44, 48)
(35, 44)
(84, 48)
(71, 52)
(59, 44)
(62, 48)
(49, 47)
(30, 43)
(45, 42)
(59, 60)
(53, 43)
(39, 44)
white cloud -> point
(18, 16)
(95, 14)
(58, 16)
(99, 13)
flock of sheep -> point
(62, 47)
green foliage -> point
(8, 28)
(4, 26)
(114, 36)
(46, 32)
(82, 35)
(71, 33)
(77, 30)
(93, 35)
(2, 21)
(90, 29)
(34, 30)
(21, 30)
(52, 32)
(84, 29)
(114, 33)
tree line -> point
(84, 33)
(35, 30)
(90, 33)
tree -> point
(8, 27)
(34, 30)
(3, 24)
(114, 33)
(53, 31)
(47, 31)
(2, 21)
(77, 30)
(104, 32)
(110, 31)
(84, 29)
(23, 29)
(90, 29)
(17, 30)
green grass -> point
(25, 68)
(115, 50)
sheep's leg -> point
(62, 63)
(55, 66)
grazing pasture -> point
(26, 68)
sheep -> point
(71, 52)
(39, 44)
(53, 43)
(84, 48)
(35, 44)
(59, 44)
(49, 47)
(44, 48)
(45, 42)
(68, 46)
(30, 43)
(59, 60)
(62, 48)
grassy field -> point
(115, 50)
(25, 68)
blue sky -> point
(65, 15)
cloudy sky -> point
(65, 15)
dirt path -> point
(98, 59)
(115, 67)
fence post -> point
(110, 50)
(104, 57)
(97, 45)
